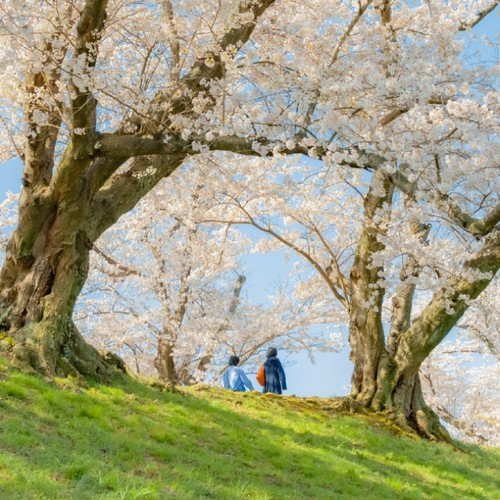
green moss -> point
(6, 341)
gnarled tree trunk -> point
(46, 266)
(386, 370)
(38, 292)
(68, 201)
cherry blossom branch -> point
(479, 17)
(476, 227)
(120, 145)
(402, 302)
(306, 255)
(83, 103)
(448, 417)
(312, 105)
(116, 146)
(78, 154)
(239, 35)
(342, 281)
(448, 305)
(173, 40)
(123, 191)
(126, 271)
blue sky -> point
(330, 375)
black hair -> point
(272, 352)
(233, 360)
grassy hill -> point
(60, 439)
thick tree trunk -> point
(403, 401)
(37, 299)
(386, 389)
(46, 264)
(396, 381)
(366, 334)
(385, 375)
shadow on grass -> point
(132, 441)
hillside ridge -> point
(67, 438)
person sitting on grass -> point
(234, 377)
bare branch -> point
(127, 271)
(128, 146)
(306, 255)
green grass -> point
(63, 440)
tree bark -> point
(37, 297)
(386, 372)
(164, 361)
(366, 334)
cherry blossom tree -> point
(95, 139)
(165, 291)
(415, 257)
(102, 99)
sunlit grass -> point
(62, 439)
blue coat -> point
(275, 376)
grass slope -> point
(62, 440)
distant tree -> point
(165, 291)
(399, 270)
(102, 99)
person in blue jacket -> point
(234, 377)
(275, 375)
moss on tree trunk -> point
(38, 294)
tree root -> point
(41, 347)
(428, 425)
(165, 386)
(423, 423)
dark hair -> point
(233, 360)
(272, 352)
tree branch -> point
(83, 104)
(479, 17)
(121, 193)
(403, 301)
(80, 150)
(343, 300)
(475, 227)
(127, 271)
(448, 306)
(128, 146)
(236, 37)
